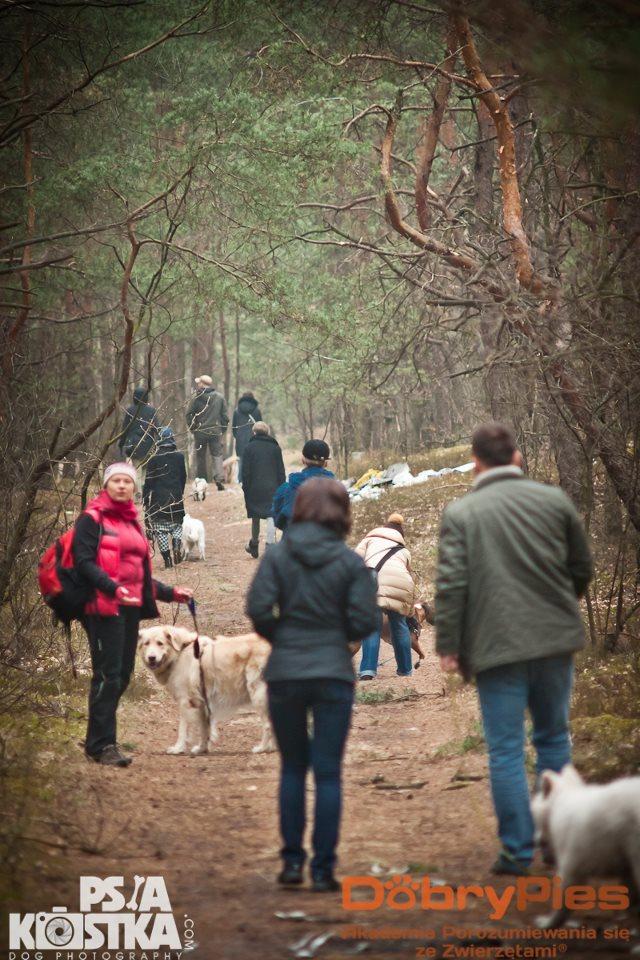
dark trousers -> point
(113, 642)
(206, 442)
(330, 703)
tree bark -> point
(431, 131)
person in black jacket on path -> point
(140, 430)
(262, 473)
(244, 416)
(163, 494)
(311, 597)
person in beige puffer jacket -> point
(396, 593)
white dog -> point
(226, 678)
(199, 488)
(193, 536)
(588, 830)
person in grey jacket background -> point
(311, 597)
(513, 561)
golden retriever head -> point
(424, 613)
(159, 647)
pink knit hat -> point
(127, 468)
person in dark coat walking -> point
(163, 494)
(311, 597)
(140, 430)
(263, 473)
(244, 416)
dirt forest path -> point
(208, 824)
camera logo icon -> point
(59, 929)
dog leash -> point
(197, 652)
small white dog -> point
(193, 536)
(199, 488)
(226, 678)
(588, 830)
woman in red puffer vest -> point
(111, 552)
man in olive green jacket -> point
(513, 561)
(207, 419)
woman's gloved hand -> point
(182, 594)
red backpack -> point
(61, 587)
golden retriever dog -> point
(226, 678)
(423, 613)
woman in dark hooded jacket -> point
(262, 473)
(244, 416)
(311, 598)
(163, 494)
(140, 429)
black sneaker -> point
(252, 550)
(508, 866)
(110, 757)
(325, 883)
(291, 875)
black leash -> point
(197, 652)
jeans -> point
(505, 692)
(330, 703)
(113, 642)
(255, 531)
(401, 640)
(204, 442)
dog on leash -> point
(199, 488)
(588, 830)
(423, 613)
(224, 679)
(192, 536)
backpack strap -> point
(380, 564)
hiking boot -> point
(507, 865)
(325, 883)
(291, 875)
(219, 484)
(168, 562)
(252, 549)
(110, 757)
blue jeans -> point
(330, 703)
(401, 640)
(505, 692)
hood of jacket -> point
(167, 446)
(247, 404)
(264, 437)
(386, 533)
(297, 479)
(312, 544)
(140, 395)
